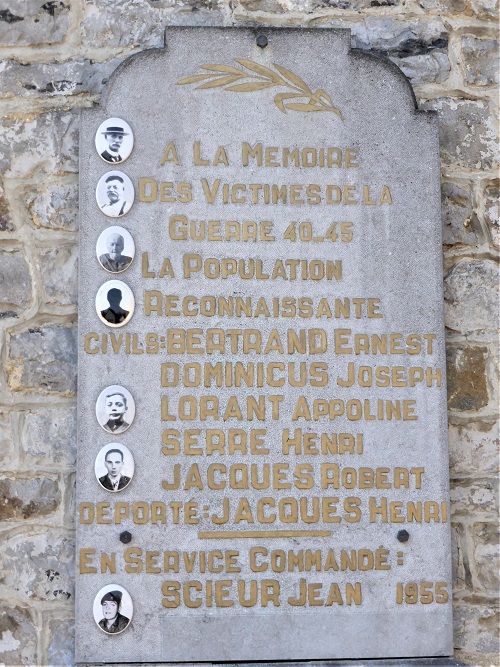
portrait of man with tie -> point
(114, 467)
(114, 140)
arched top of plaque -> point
(313, 76)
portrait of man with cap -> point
(114, 137)
(112, 622)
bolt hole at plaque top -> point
(114, 140)
(114, 303)
(113, 609)
(114, 194)
(114, 467)
(115, 249)
(115, 409)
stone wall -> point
(56, 57)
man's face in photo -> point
(109, 610)
(114, 464)
(115, 246)
(114, 141)
(116, 406)
(114, 190)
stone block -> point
(460, 565)
(33, 22)
(25, 498)
(48, 437)
(61, 648)
(460, 223)
(18, 637)
(472, 445)
(418, 47)
(39, 566)
(466, 378)
(469, 496)
(471, 296)
(467, 132)
(43, 359)
(476, 628)
(15, 282)
(7, 450)
(77, 76)
(139, 23)
(53, 205)
(480, 60)
(492, 210)
(6, 218)
(444, 7)
(485, 9)
(209, 15)
(59, 271)
(44, 144)
(487, 556)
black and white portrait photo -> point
(115, 249)
(115, 409)
(115, 194)
(114, 467)
(114, 303)
(113, 609)
(114, 140)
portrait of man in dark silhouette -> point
(115, 314)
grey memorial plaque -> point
(286, 357)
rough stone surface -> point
(58, 267)
(479, 495)
(492, 210)
(6, 439)
(466, 377)
(25, 498)
(6, 217)
(471, 296)
(54, 205)
(419, 48)
(480, 60)
(43, 359)
(472, 443)
(15, 282)
(48, 437)
(74, 77)
(460, 222)
(18, 637)
(47, 143)
(487, 555)
(39, 566)
(61, 641)
(130, 23)
(467, 132)
(476, 627)
(32, 22)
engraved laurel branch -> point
(230, 78)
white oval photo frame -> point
(108, 144)
(106, 249)
(125, 471)
(104, 409)
(125, 608)
(113, 309)
(114, 194)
